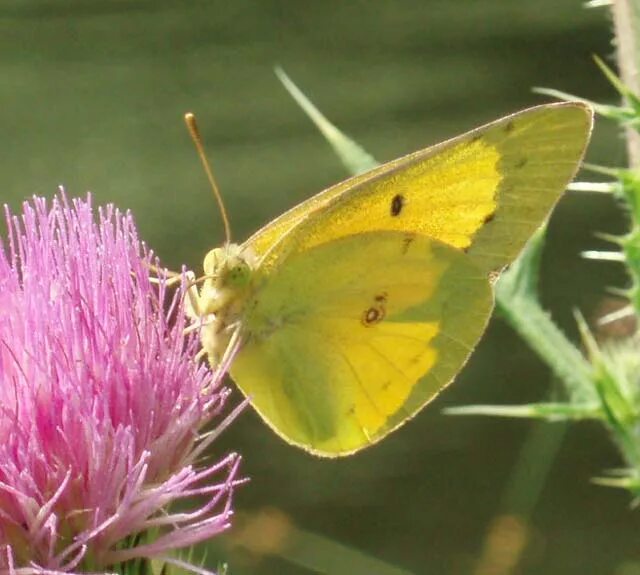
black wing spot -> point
(397, 203)
(489, 217)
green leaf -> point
(548, 411)
(517, 303)
(354, 157)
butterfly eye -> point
(238, 274)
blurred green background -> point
(92, 95)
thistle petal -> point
(102, 407)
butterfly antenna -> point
(192, 126)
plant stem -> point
(626, 20)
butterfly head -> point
(229, 267)
(219, 303)
(228, 272)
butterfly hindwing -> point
(348, 339)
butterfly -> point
(352, 310)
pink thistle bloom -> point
(101, 403)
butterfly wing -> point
(485, 191)
(352, 337)
(371, 295)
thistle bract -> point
(101, 404)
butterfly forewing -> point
(484, 192)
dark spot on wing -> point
(406, 242)
(372, 316)
(397, 203)
(521, 163)
(376, 312)
(489, 217)
(381, 298)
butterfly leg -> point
(170, 278)
(193, 301)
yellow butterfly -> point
(356, 307)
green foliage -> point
(628, 115)
(629, 192)
(604, 385)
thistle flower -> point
(101, 404)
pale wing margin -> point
(539, 156)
